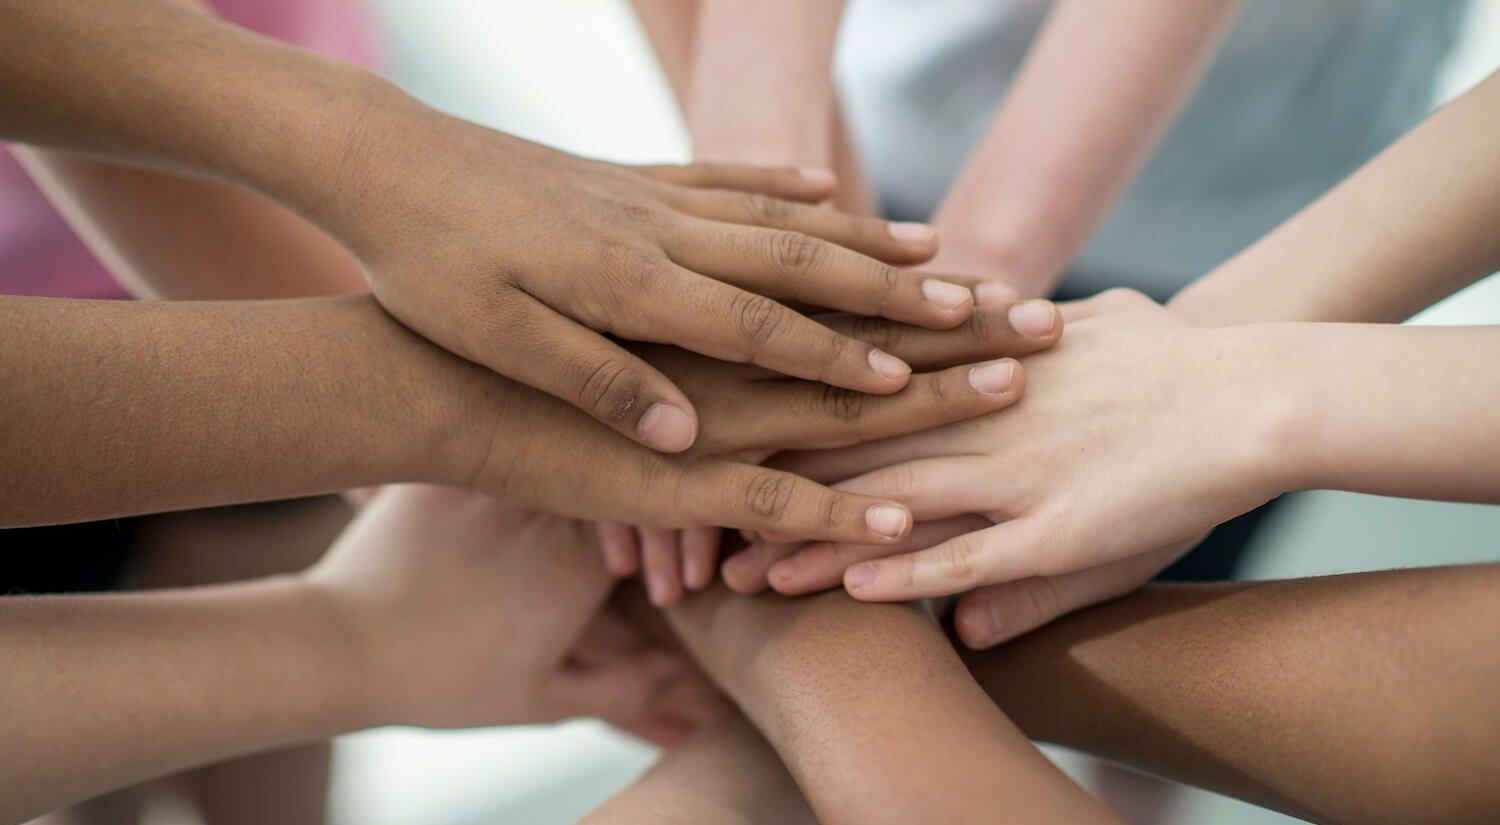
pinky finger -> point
(803, 185)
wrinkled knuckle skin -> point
(835, 513)
(762, 210)
(1041, 598)
(794, 253)
(757, 319)
(637, 271)
(767, 496)
(960, 562)
(878, 332)
(611, 390)
(842, 404)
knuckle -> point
(960, 562)
(763, 210)
(611, 389)
(899, 482)
(794, 253)
(879, 332)
(757, 319)
(842, 404)
(1122, 297)
(638, 271)
(835, 512)
(767, 495)
(939, 392)
(1041, 599)
(982, 327)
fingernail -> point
(886, 520)
(784, 569)
(944, 294)
(692, 569)
(822, 177)
(667, 428)
(1034, 318)
(655, 588)
(993, 378)
(859, 577)
(981, 623)
(888, 365)
(911, 232)
(993, 294)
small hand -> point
(1135, 435)
(522, 258)
(469, 612)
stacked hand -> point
(1038, 510)
(752, 413)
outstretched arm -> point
(872, 712)
(1098, 89)
(1412, 226)
(1364, 700)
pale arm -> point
(1362, 700)
(853, 696)
(1098, 89)
(1412, 226)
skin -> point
(726, 774)
(1287, 408)
(669, 254)
(791, 666)
(396, 625)
(1155, 681)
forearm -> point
(1098, 89)
(104, 691)
(1412, 226)
(726, 774)
(112, 409)
(180, 238)
(751, 101)
(1388, 410)
(1361, 699)
(852, 696)
(151, 82)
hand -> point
(1135, 436)
(519, 257)
(467, 611)
(675, 561)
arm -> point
(761, 88)
(396, 625)
(413, 194)
(1099, 87)
(854, 696)
(727, 775)
(1364, 700)
(1412, 226)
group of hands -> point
(775, 367)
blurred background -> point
(578, 74)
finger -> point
(793, 266)
(700, 549)
(803, 415)
(904, 244)
(1003, 553)
(1001, 612)
(720, 491)
(583, 368)
(663, 565)
(622, 552)
(827, 466)
(994, 330)
(820, 565)
(730, 324)
(805, 185)
(933, 488)
(745, 571)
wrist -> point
(1273, 430)
(1028, 264)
